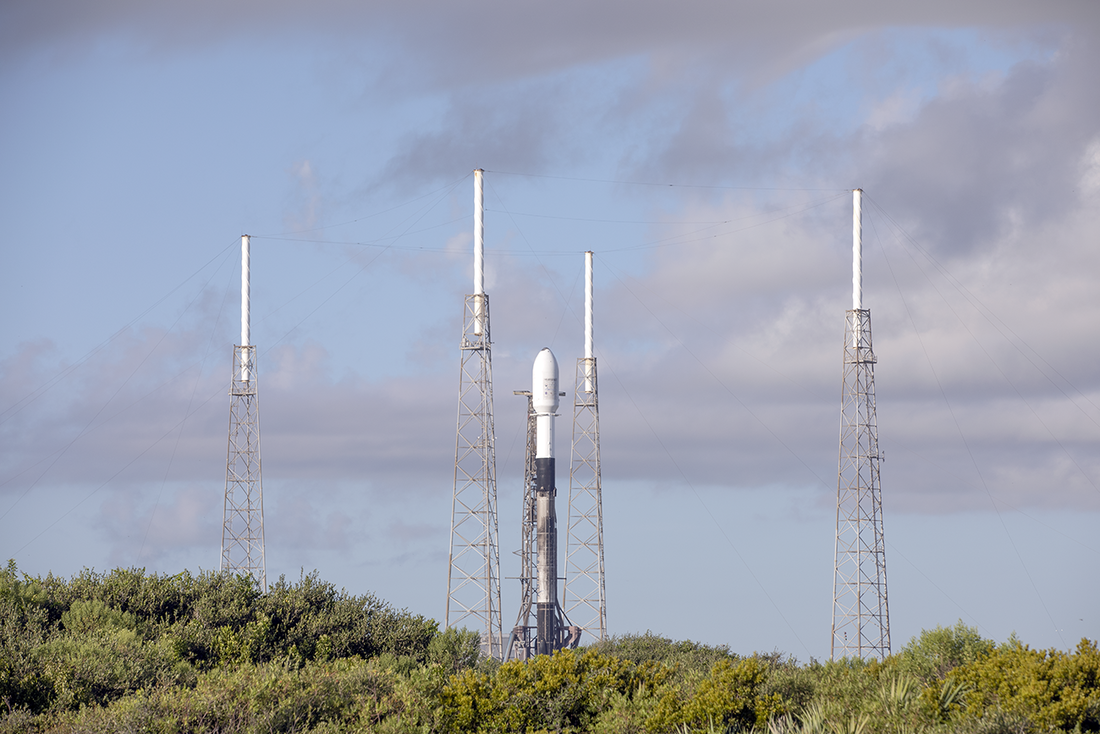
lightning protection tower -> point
(243, 512)
(473, 576)
(583, 595)
(861, 617)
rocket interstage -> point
(544, 393)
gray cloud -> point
(989, 158)
(719, 353)
(502, 40)
(758, 302)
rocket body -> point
(544, 392)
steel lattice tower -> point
(243, 511)
(521, 642)
(583, 595)
(861, 617)
(473, 576)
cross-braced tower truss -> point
(521, 643)
(584, 597)
(473, 577)
(861, 617)
(243, 511)
(243, 516)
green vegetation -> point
(129, 652)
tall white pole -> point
(857, 249)
(589, 346)
(246, 334)
(479, 232)
(479, 252)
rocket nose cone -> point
(544, 382)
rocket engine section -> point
(553, 631)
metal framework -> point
(583, 596)
(521, 643)
(243, 512)
(473, 577)
(861, 615)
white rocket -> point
(544, 401)
(553, 631)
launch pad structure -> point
(583, 595)
(473, 575)
(541, 625)
(584, 568)
(243, 511)
(861, 617)
(521, 642)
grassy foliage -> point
(128, 652)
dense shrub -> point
(100, 666)
(125, 651)
(344, 695)
(1054, 690)
(25, 625)
(562, 692)
(98, 637)
(937, 652)
(686, 655)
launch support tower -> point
(473, 577)
(243, 511)
(583, 595)
(861, 617)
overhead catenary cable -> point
(1008, 380)
(14, 408)
(179, 436)
(990, 316)
(665, 184)
(970, 453)
(88, 426)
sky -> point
(704, 151)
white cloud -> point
(719, 344)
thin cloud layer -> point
(704, 151)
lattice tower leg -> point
(473, 577)
(861, 617)
(584, 594)
(243, 511)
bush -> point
(686, 655)
(1053, 689)
(345, 695)
(563, 692)
(100, 667)
(455, 650)
(939, 651)
(730, 697)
